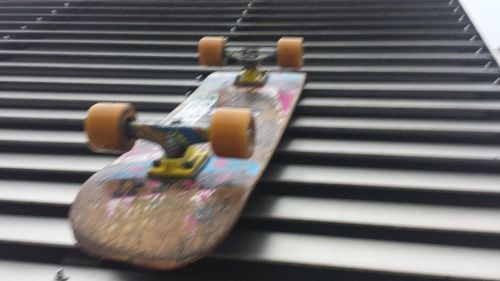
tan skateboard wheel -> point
(289, 52)
(105, 127)
(211, 50)
(232, 132)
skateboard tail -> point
(184, 240)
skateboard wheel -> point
(106, 126)
(211, 50)
(232, 132)
(289, 52)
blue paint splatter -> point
(217, 164)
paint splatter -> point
(191, 224)
(286, 99)
(202, 195)
(219, 163)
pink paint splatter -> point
(205, 194)
(127, 201)
(136, 169)
(286, 99)
(191, 224)
(223, 177)
(111, 208)
(152, 184)
(219, 163)
(202, 196)
(187, 184)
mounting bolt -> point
(176, 121)
(187, 164)
(60, 276)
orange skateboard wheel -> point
(105, 126)
(232, 132)
(289, 52)
(211, 50)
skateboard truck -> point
(250, 75)
(181, 158)
(288, 53)
(112, 127)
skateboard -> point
(181, 184)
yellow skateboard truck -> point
(186, 166)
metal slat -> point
(315, 73)
(95, 84)
(412, 34)
(117, 17)
(300, 125)
(322, 215)
(327, 175)
(211, 26)
(470, 109)
(340, 252)
(406, 90)
(178, 45)
(314, 210)
(352, 16)
(207, 8)
(191, 58)
(393, 90)
(295, 150)
(327, 106)
(117, 24)
(17, 270)
(333, 25)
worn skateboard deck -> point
(123, 214)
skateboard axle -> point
(174, 139)
(250, 58)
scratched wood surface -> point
(120, 213)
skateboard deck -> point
(122, 213)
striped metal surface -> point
(389, 169)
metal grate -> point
(389, 169)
